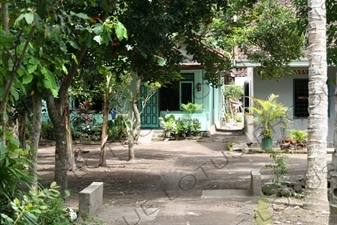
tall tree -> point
(316, 188)
(331, 17)
(157, 31)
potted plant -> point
(190, 127)
(196, 127)
(268, 114)
(169, 124)
(191, 108)
(181, 127)
(300, 137)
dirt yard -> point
(129, 184)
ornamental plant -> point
(268, 114)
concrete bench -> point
(90, 199)
(255, 182)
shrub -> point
(298, 135)
(14, 176)
(47, 131)
(238, 118)
(279, 167)
(44, 207)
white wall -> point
(240, 81)
(284, 88)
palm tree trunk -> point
(316, 187)
(333, 175)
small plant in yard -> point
(91, 220)
(168, 123)
(279, 166)
(196, 125)
(238, 118)
(298, 135)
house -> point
(192, 88)
(292, 91)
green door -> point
(149, 116)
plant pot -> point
(266, 143)
(168, 134)
(197, 134)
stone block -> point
(90, 199)
(255, 182)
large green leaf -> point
(80, 15)
(29, 17)
(121, 31)
(161, 61)
(98, 39)
(73, 44)
(49, 81)
(27, 79)
(32, 68)
(14, 93)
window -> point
(176, 93)
(301, 93)
(301, 96)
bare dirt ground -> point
(191, 166)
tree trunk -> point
(22, 130)
(4, 12)
(104, 137)
(35, 134)
(316, 186)
(61, 164)
(134, 132)
(66, 121)
(333, 174)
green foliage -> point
(187, 125)
(228, 116)
(238, 118)
(47, 131)
(233, 92)
(168, 123)
(117, 129)
(268, 114)
(94, 220)
(191, 108)
(298, 135)
(181, 126)
(272, 38)
(331, 18)
(155, 41)
(44, 207)
(279, 166)
(266, 31)
(196, 125)
(13, 173)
